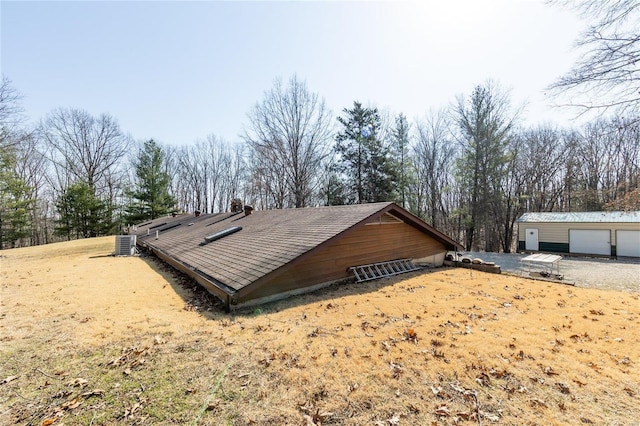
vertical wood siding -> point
(369, 244)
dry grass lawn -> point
(91, 339)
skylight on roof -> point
(221, 234)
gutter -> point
(220, 290)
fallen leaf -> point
(563, 388)
(535, 402)
(71, 404)
(491, 417)
(483, 380)
(464, 415)
(436, 391)
(95, 392)
(411, 335)
(443, 411)
(74, 403)
(78, 382)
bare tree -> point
(542, 158)
(434, 156)
(30, 167)
(608, 154)
(172, 168)
(608, 73)
(289, 132)
(192, 177)
(10, 112)
(207, 175)
(84, 147)
(508, 204)
(570, 197)
(268, 187)
(233, 177)
(623, 167)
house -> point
(253, 257)
(593, 233)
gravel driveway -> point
(620, 274)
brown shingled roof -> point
(269, 239)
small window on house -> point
(221, 234)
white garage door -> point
(628, 243)
(590, 242)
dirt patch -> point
(87, 338)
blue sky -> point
(178, 71)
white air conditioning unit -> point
(125, 245)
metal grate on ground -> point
(374, 271)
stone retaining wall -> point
(494, 269)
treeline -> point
(470, 170)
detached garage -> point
(595, 233)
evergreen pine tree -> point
(15, 203)
(366, 164)
(82, 213)
(151, 197)
(485, 128)
(404, 170)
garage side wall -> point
(368, 244)
(554, 236)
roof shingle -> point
(268, 239)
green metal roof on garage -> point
(581, 217)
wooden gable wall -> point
(370, 243)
